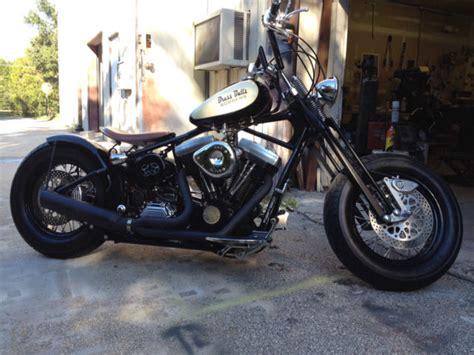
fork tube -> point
(337, 149)
(331, 123)
(330, 156)
(316, 116)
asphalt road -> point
(294, 297)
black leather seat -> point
(140, 139)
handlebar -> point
(274, 8)
(276, 22)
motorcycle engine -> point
(150, 169)
(226, 175)
(216, 159)
(151, 186)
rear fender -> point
(94, 150)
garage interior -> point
(410, 77)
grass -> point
(290, 202)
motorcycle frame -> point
(310, 125)
(308, 128)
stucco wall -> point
(163, 95)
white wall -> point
(78, 23)
(178, 88)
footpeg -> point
(242, 247)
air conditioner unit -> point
(221, 41)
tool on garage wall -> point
(388, 58)
(402, 54)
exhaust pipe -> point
(84, 212)
(226, 231)
(148, 227)
(112, 221)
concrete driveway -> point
(294, 297)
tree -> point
(43, 51)
(21, 80)
(24, 88)
(4, 79)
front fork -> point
(326, 130)
(358, 172)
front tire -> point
(395, 269)
(44, 230)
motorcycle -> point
(389, 219)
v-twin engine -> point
(226, 174)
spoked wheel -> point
(408, 254)
(46, 230)
(60, 175)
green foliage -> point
(21, 80)
(24, 89)
(4, 79)
(26, 75)
(43, 51)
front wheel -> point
(407, 255)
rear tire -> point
(414, 272)
(39, 227)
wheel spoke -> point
(60, 175)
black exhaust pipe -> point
(226, 231)
(84, 212)
(112, 221)
(148, 227)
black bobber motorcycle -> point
(389, 219)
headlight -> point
(328, 90)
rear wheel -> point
(47, 231)
(406, 255)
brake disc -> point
(412, 232)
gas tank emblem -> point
(231, 99)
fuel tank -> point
(235, 105)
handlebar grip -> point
(274, 8)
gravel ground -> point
(294, 297)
